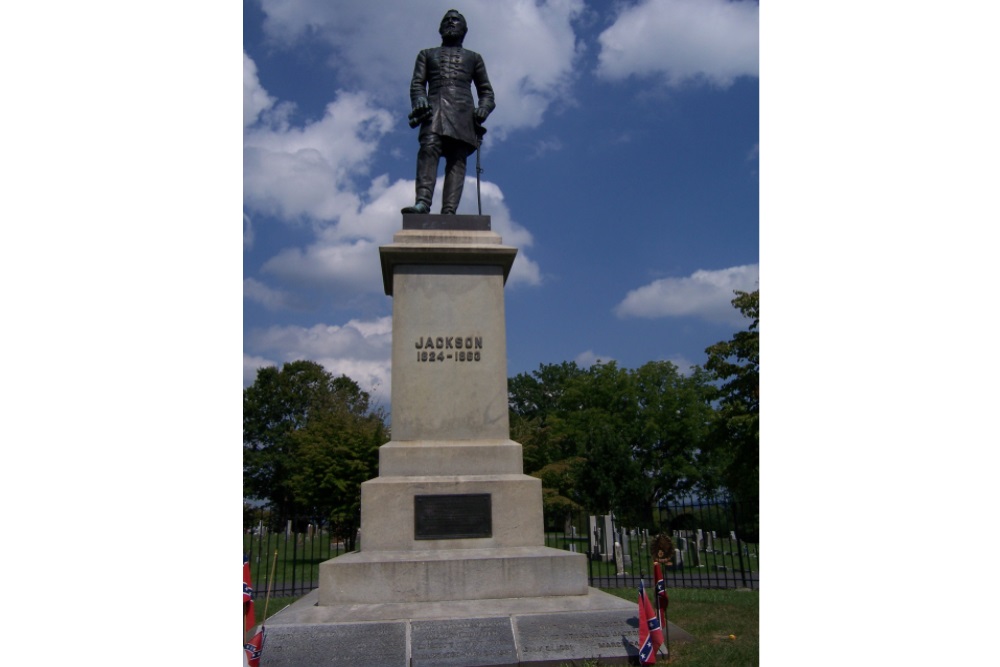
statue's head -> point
(453, 28)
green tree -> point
(337, 450)
(675, 416)
(608, 438)
(307, 437)
(598, 420)
(735, 439)
(535, 400)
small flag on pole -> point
(661, 588)
(253, 648)
(248, 616)
(661, 603)
(247, 588)
(650, 634)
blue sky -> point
(621, 160)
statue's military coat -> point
(444, 75)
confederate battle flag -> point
(650, 634)
(248, 615)
(254, 648)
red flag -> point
(662, 601)
(247, 588)
(650, 634)
(254, 648)
(248, 615)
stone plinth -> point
(449, 341)
(365, 577)
(451, 516)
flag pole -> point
(662, 615)
(666, 622)
(267, 598)
(661, 611)
(245, 616)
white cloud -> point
(369, 340)
(247, 232)
(360, 349)
(255, 98)
(588, 359)
(704, 294)
(344, 257)
(351, 266)
(270, 298)
(684, 365)
(681, 40)
(250, 365)
(309, 172)
(529, 47)
(525, 270)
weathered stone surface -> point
(450, 457)
(449, 356)
(463, 643)
(387, 511)
(466, 574)
(550, 631)
(555, 639)
(335, 645)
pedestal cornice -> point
(446, 253)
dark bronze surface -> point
(442, 106)
(452, 516)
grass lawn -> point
(710, 615)
(274, 605)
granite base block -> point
(540, 632)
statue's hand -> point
(481, 113)
(421, 104)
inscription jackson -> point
(445, 348)
(450, 342)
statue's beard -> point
(452, 35)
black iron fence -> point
(709, 544)
(712, 544)
(285, 553)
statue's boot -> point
(420, 207)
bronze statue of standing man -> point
(441, 95)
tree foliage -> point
(609, 438)
(309, 440)
(735, 438)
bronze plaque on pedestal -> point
(452, 516)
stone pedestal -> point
(453, 570)
(451, 516)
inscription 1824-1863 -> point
(452, 516)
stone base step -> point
(369, 577)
